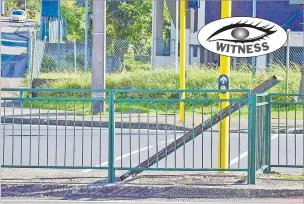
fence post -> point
(287, 59)
(75, 56)
(234, 64)
(268, 134)
(252, 107)
(28, 50)
(111, 159)
(33, 53)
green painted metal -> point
(139, 133)
(239, 138)
(166, 136)
(156, 120)
(30, 152)
(82, 135)
(268, 126)
(65, 132)
(288, 166)
(74, 129)
(13, 131)
(39, 136)
(202, 120)
(252, 139)
(4, 134)
(111, 154)
(183, 169)
(285, 106)
(54, 167)
(130, 134)
(21, 139)
(77, 107)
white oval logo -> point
(242, 37)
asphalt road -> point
(62, 146)
(14, 46)
(171, 201)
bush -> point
(31, 14)
(79, 59)
(48, 64)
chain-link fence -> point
(35, 50)
(127, 55)
(152, 37)
(76, 56)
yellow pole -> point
(223, 138)
(182, 66)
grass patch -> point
(196, 78)
(285, 176)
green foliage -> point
(79, 59)
(117, 47)
(133, 62)
(167, 22)
(48, 64)
(32, 7)
(196, 78)
(75, 16)
(10, 5)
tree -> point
(75, 16)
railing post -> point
(111, 127)
(252, 107)
(268, 134)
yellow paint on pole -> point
(223, 140)
(182, 74)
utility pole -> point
(98, 53)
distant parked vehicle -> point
(19, 16)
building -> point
(284, 13)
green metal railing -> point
(56, 129)
(140, 130)
(261, 131)
(287, 141)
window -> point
(17, 13)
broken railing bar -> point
(200, 128)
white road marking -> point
(245, 154)
(127, 155)
(17, 41)
(119, 158)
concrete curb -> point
(143, 192)
(124, 125)
(72, 123)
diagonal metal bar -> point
(266, 85)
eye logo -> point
(242, 37)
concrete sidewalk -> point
(16, 115)
(76, 185)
